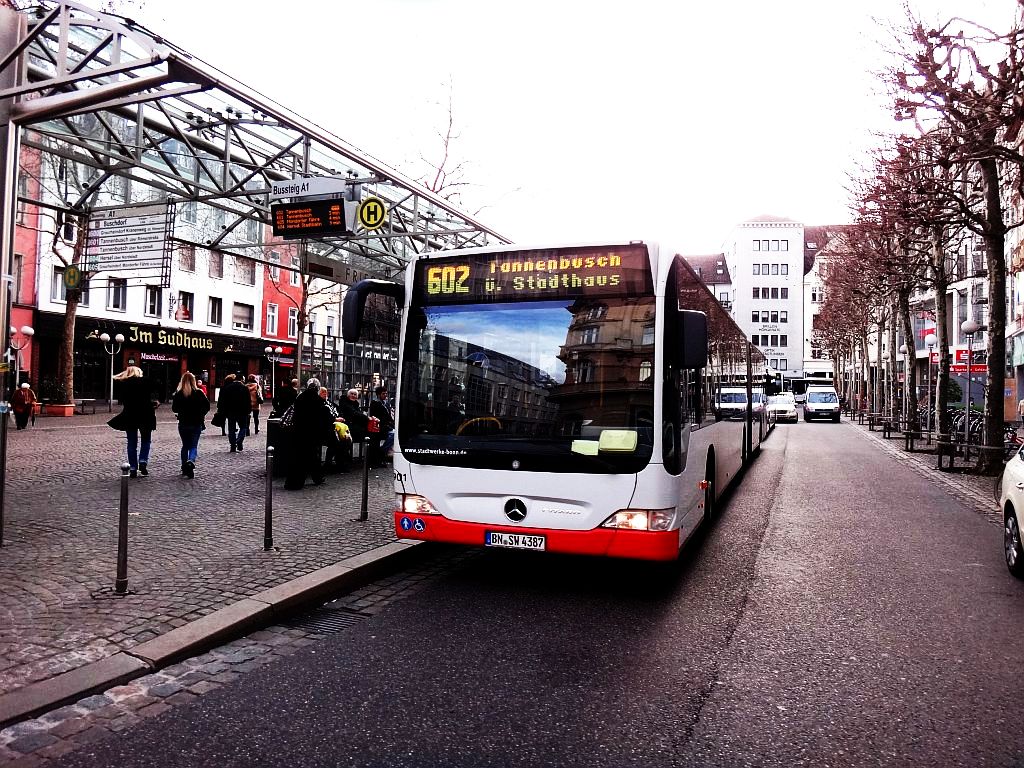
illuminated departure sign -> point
(535, 274)
(311, 218)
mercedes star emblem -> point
(515, 510)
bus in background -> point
(563, 399)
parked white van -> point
(822, 403)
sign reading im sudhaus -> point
(130, 237)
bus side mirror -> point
(693, 332)
(355, 301)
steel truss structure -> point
(133, 110)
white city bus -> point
(562, 399)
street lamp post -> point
(273, 355)
(111, 349)
(968, 328)
(929, 341)
(27, 332)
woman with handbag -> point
(137, 417)
(191, 405)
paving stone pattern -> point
(194, 545)
(35, 742)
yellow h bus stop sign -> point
(372, 213)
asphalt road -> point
(843, 611)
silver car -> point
(1011, 501)
(783, 406)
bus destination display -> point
(309, 218)
(540, 274)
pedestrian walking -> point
(201, 386)
(234, 405)
(191, 405)
(137, 418)
(23, 404)
(255, 400)
(310, 424)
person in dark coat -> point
(349, 410)
(137, 417)
(382, 410)
(285, 396)
(23, 404)
(191, 405)
(235, 405)
(312, 420)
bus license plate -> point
(514, 540)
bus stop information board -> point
(310, 218)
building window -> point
(785, 293)
(275, 272)
(117, 294)
(252, 230)
(775, 317)
(764, 245)
(774, 364)
(757, 269)
(784, 317)
(311, 325)
(57, 290)
(242, 317)
(774, 340)
(186, 306)
(219, 219)
(775, 245)
(764, 340)
(187, 258)
(784, 268)
(814, 295)
(296, 265)
(330, 331)
(589, 335)
(216, 264)
(293, 323)
(597, 312)
(757, 292)
(271, 328)
(784, 246)
(245, 271)
(755, 317)
(22, 193)
(188, 212)
(775, 267)
(753, 339)
(584, 372)
(723, 296)
(783, 364)
(153, 301)
(645, 370)
(757, 245)
(216, 314)
(648, 336)
(764, 316)
(783, 340)
(775, 293)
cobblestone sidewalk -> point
(194, 546)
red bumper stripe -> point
(606, 542)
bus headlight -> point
(411, 504)
(641, 519)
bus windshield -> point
(562, 385)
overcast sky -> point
(582, 121)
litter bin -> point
(279, 437)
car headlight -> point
(641, 519)
(412, 504)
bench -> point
(81, 403)
(910, 436)
(873, 419)
(889, 426)
(945, 449)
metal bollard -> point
(121, 582)
(268, 503)
(366, 478)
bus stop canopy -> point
(132, 109)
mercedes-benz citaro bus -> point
(562, 399)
